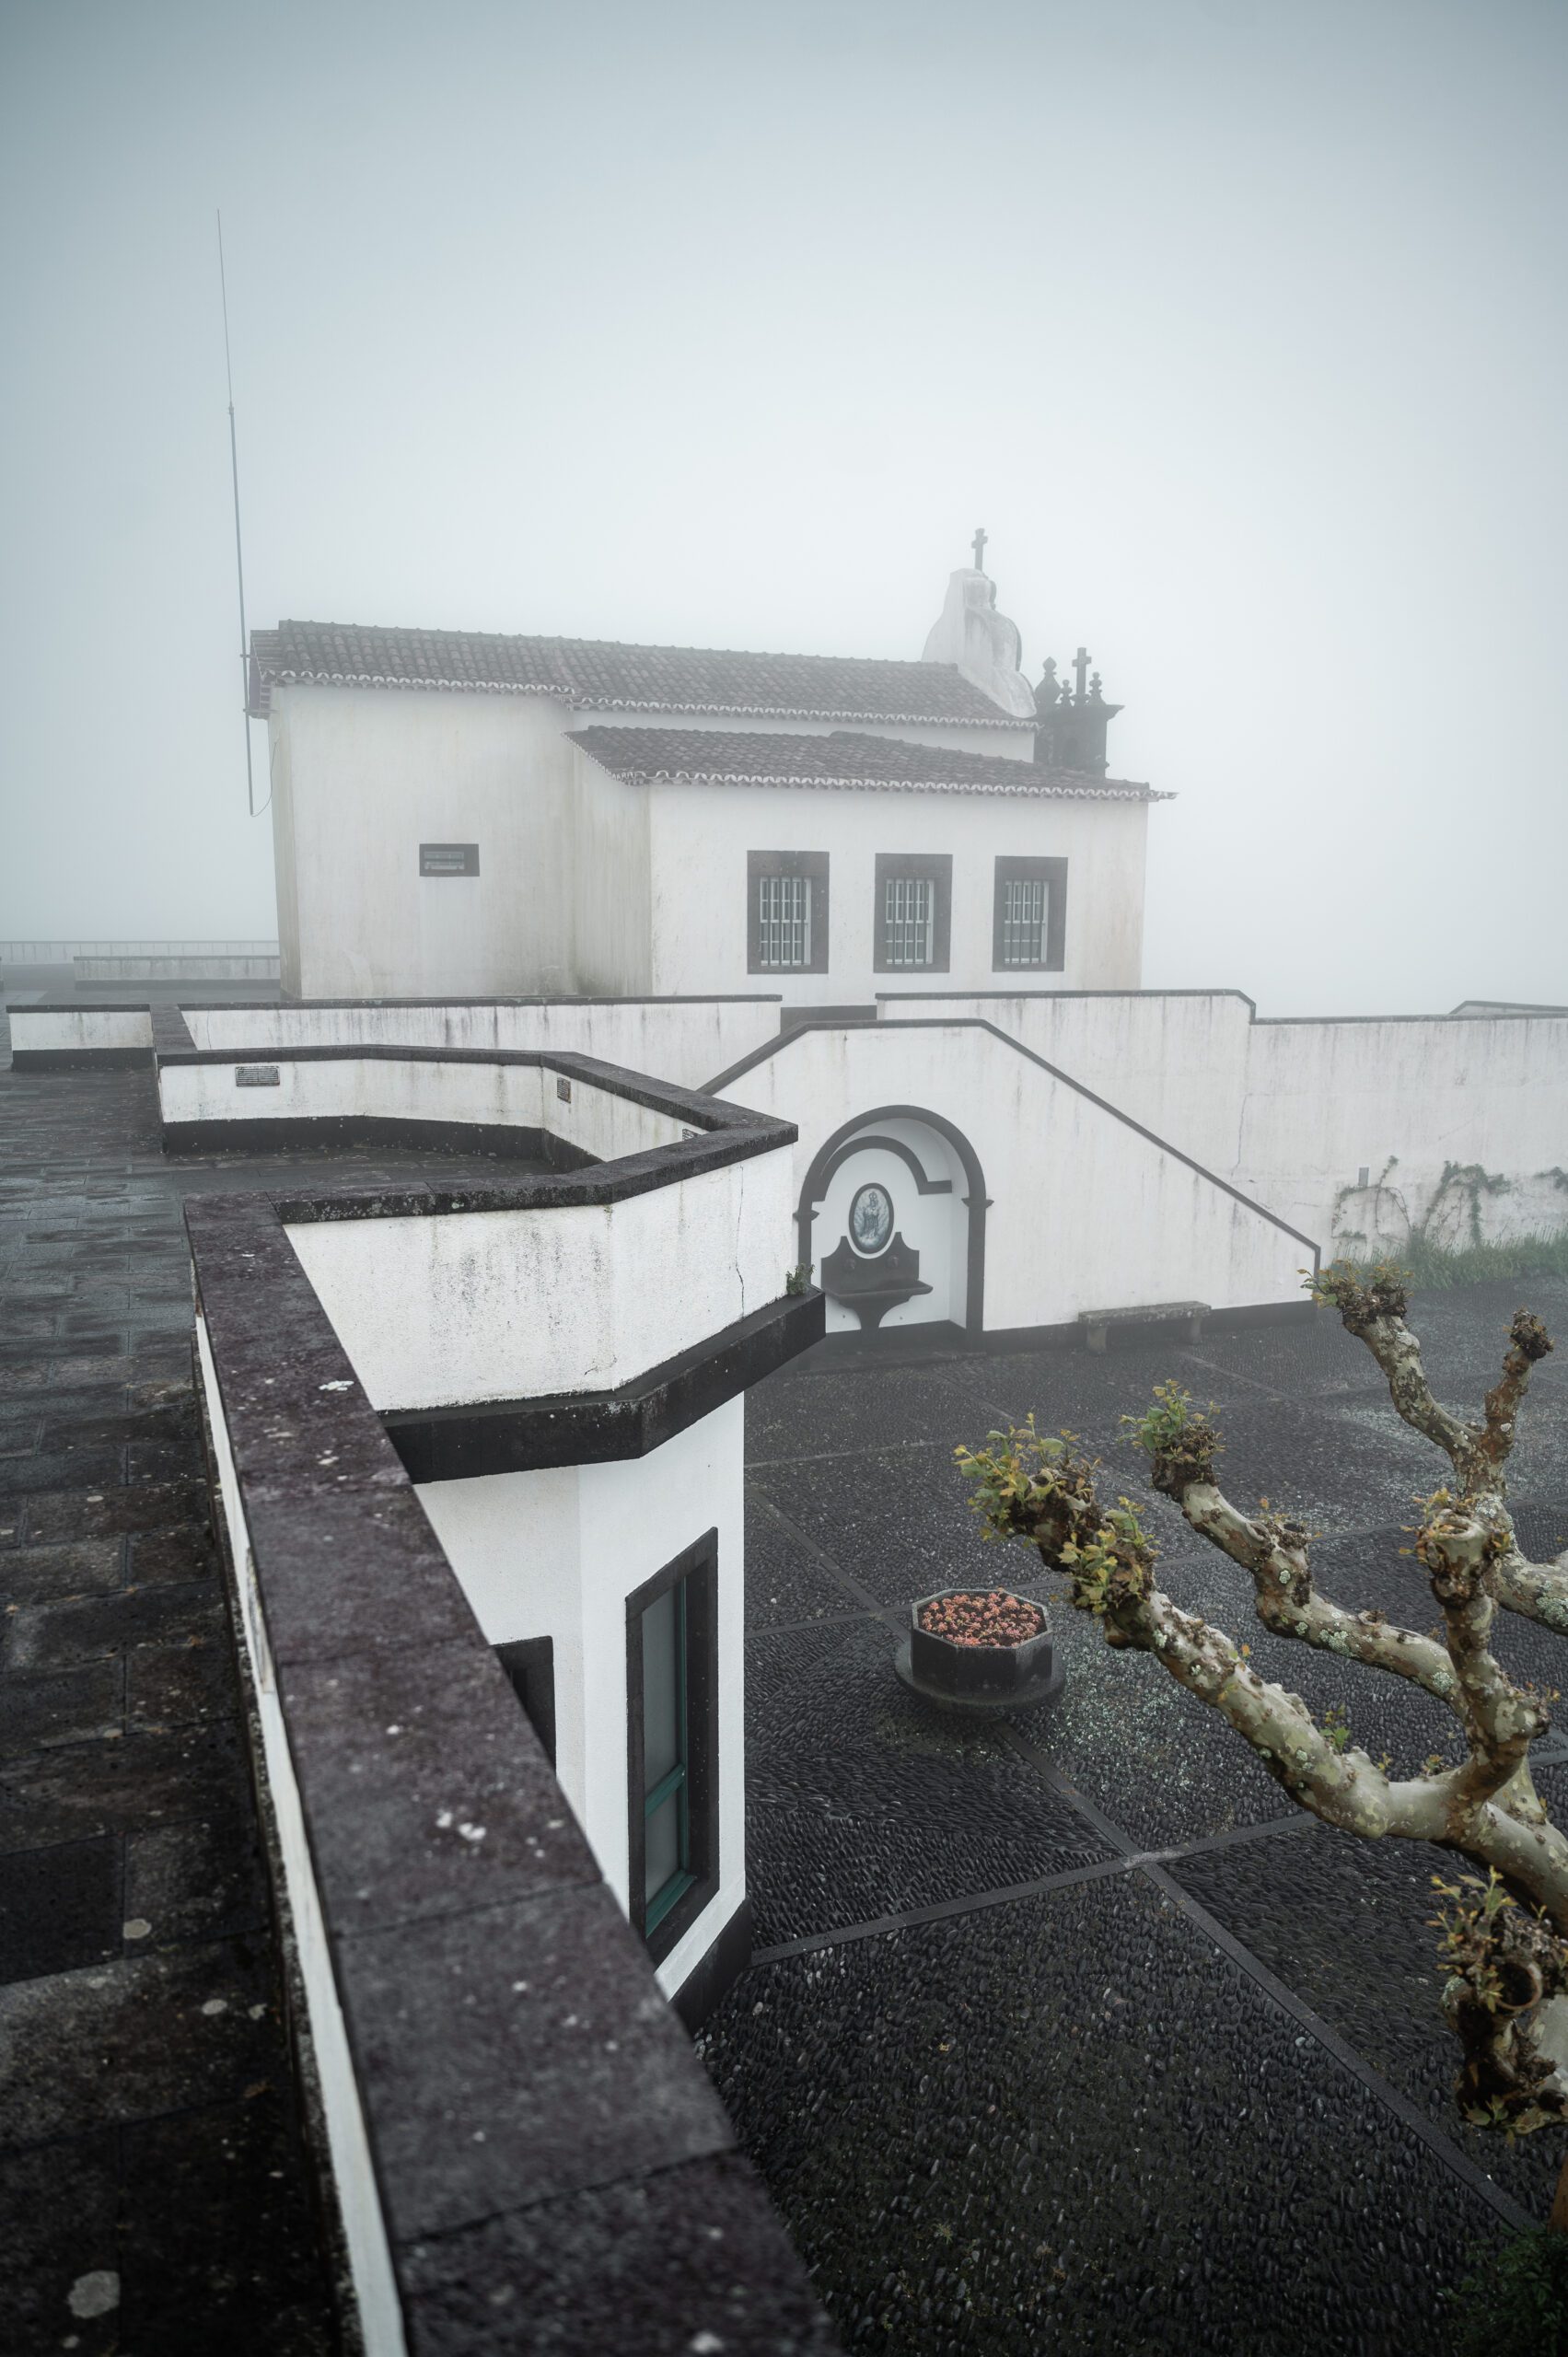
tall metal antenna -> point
(238, 547)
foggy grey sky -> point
(1241, 327)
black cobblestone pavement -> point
(1071, 2036)
(1066, 2036)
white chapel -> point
(474, 815)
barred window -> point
(783, 921)
(1030, 923)
(909, 918)
(1026, 902)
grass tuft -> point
(1433, 1269)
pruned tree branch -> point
(1508, 1988)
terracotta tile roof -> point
(605, 676)
(715, 757)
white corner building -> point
(462, 815)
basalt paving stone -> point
(216, 2239)
(174, 1426)
(140, 1782)
(101, 1468)
(112, 2043)
(96, 1514)
(1347, 1925)
(1070, 2123)
(187, 1552)
(61, 2204)
(50, 1636)
(173, 1686)
(79, 1567)
(201, 1881)
(62, 1706)
(523, 2284)
(60, 1909)
(862, 1801)
(784, 1582)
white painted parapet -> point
(80, 1035)
(1082, 1208)
(680, 1040)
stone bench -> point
(1096, 1323)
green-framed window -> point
(671, 1692)
(667, 1756)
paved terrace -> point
(1065, 2037)
(1070, 2036)
(152, 2174)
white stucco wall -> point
(1087, 1212)
(361, 776)
(1324, 1098)
(1174, 1060)
(368, 1087)
(700, 836)
(507, 1304)
(1292, 1111)
(556, 1553)
(40, 1031)
(685, 1041)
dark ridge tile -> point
(112, 2043)
(60, 1909)
(65, 1706)
(596, 2274)
(49, 1636)
(83, 1566)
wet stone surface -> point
(1066, 2118)
(153, 2177)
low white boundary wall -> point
(79, 1030)
(1087, 1210)
(682, 1041)
(458, 1307)
(1293, 1110)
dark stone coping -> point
(515, 2063)
(977, 1023)
(939, 1338)
(590, 1427)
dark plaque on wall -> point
(448, 859)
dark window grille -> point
(1026, 913)
(909, 920)
(783, 921)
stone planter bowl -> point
(977, 1677)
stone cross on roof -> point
(1081, 662)
(980, 540)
